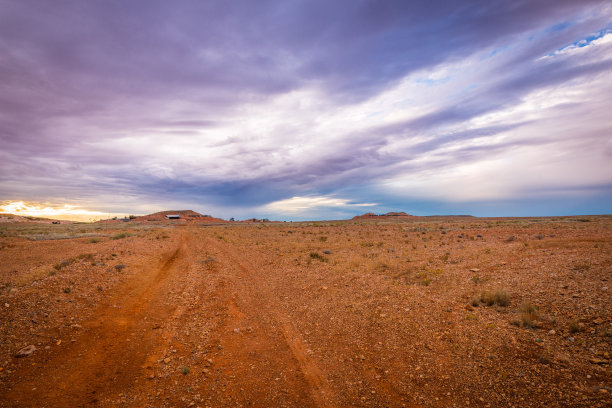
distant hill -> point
(388, 215)
(5, 217)
(185, 216)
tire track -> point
(318, 386)
(108, 355)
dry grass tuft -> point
(529, 315)
(498, 296)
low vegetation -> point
(318, 256)
(498, 297)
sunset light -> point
(63, 212)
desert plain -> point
(406, 312)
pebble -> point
(26, 351)
(551, 332)
(166, 360)
(474, 270)
(6, 305)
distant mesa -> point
(383, 216)
(181, 216)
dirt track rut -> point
(259, 357)
(109, 353)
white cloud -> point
(311, 203)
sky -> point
(306, 110)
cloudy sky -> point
(307, 109)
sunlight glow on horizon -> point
(63, 212)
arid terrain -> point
(389, 312)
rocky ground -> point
(418, 312)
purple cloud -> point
(236, 106)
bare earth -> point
(372, 313)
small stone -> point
(324, 288)
(26, 351)
(166, 360)
(599, 320)
(327, 252)
(236, 330)
(7, 305)
(152, 376)
(551, 332)
(474, 270)
(361, 357)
